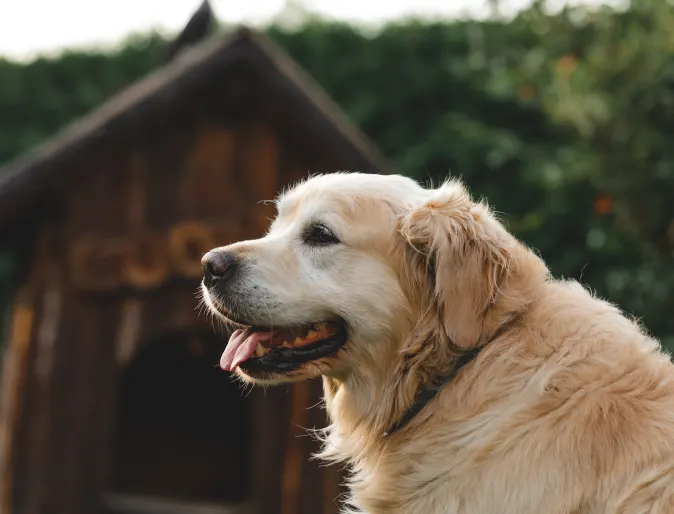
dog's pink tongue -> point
(241, 346)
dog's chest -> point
(472, 493)
(455, 478)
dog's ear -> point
(459, 257)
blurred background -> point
(560, 114)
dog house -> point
(112, 400)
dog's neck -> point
(364, 406)
(367, 410)
(429, 392)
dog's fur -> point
(568, 410)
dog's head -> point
(362, 273)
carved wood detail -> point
(97, 264)
(146, 265)
(145, 259)
(187, 243)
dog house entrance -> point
(182, 441)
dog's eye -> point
(319, 235)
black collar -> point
(427, 394)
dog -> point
(459, 376)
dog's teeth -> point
(259, 350)
(285, 344)
(298, 341)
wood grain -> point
(14, 376)
(292, 467)
(208, 189)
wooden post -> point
(129, 330)
(331, 489)
(207, 189)
(18, 362)
(292, 467)
(270, 415)
(15, 369)
(39, 430)
(314, 471)
(258, 173)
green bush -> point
(563, 122)
(38, 98)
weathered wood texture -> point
(118, 267)
(19, 344)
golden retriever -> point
(561, 404)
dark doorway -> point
(183, 429)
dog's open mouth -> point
(282, 350)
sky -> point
(33, 27)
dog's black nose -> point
(218, 265)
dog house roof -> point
(26, 179)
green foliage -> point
(563, 122)
(38, 98)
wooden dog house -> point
(112, 400)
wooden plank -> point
(77, 402)
(333, 474)
(65, 396)
(312, 470)
(133, 504)
(207, 188)
(137, 188)
(18, 383)
(165, 152)
(332, 489)
(129, 330)
(270, 416)
(258, 174)
(108, 333)
(102, 381)
(148, 263)
(169, 310)
(292, 467)
(39, 427)
(15, 370)
(85, 352)
(98, 209)
(98, 204)
(128, 319)
(58, 457)
(292, 169)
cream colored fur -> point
(569, 410)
